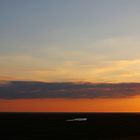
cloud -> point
(113, 59)
(115, 71)
(32, 90)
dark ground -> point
(50, 126)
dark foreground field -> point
(48, 126)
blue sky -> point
(76, 40)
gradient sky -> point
(76, 40)
(70, 41)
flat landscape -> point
(49, 126)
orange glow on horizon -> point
(71, 105)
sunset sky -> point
(69, 41)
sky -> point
(76, 41)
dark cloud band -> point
(30, 90)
